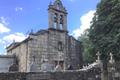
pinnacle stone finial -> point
(58, 1)
(13, 40)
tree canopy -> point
(104, 32)
(87, 48)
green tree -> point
(88, 50)
(105, 29)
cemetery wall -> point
(66, 75)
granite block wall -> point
(66, 75)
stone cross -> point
(98, 56)
(111, 58)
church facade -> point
(48, 49)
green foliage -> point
(88, 49)
(105, 29)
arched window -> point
(61, 19)
(55, 20)
(60, 46)
(61, 22)
(55, 17)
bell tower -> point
(57, 16)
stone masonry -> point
(68, 75)
(53, 45)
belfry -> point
(57, 16)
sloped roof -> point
(40, 32)
(15, 44)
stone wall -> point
(22, 57)
(37, 47)
(113, 71)
(5, 62)
(67, 75)
(44, 45)
(75, 53)
(20, 50)
(12, 76)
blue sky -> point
(18, 17)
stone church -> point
(45, 50)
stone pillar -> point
(98, 57)
(51, 25)
(112, 61)
(58, 22)
(111, 68)
(104, 74)
(65, 22)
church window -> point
(55, 17)
(60, 47)
(55, 20)
(61, 22)
(61, 19)
(55, 25)
(61, 26)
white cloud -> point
(7, 40)
(85, 23)
(3, 25)
(17, 37)
(3, 28)
(1, 43)
(3, 20)
(0, 40)
(3, 53)
(18, 9)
